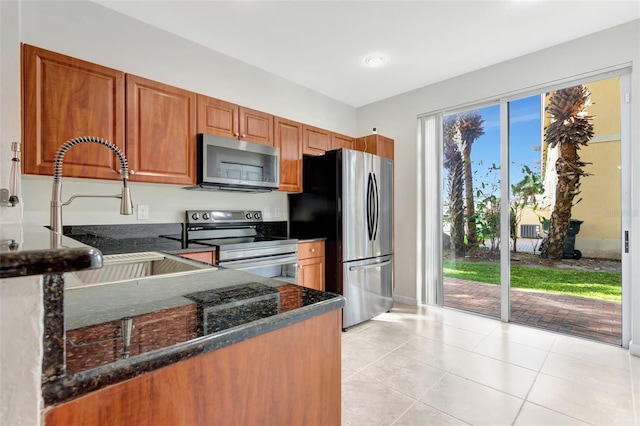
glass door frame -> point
(430, 286)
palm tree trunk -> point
(456, 205)
(470, 212)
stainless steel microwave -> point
(230, 164)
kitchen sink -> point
(135, 266)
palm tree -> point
(453, 166)
(571, 127)
(470, 129)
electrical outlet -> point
(143, 212)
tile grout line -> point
(526, 397)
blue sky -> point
(525, 133)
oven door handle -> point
(258, 262)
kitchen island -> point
(216, 347)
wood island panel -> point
(290, 376)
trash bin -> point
(569, 251)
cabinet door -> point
(161, 136)
(315, 141)
(385, 147)
(341, 141)
(288, 137)
(309, 249)
(256, 126)
(367, 144)
(64, 98)
(311, 273)
(218, 117)
(311, 264)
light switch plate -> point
(143, 212)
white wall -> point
(91, 32)
(21, 309)
(21, 330)
(396, 117)
(9, 98)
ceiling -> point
(322, 45)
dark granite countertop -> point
(131, 238)
(34, 250)
(170, 319)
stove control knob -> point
(206, 216)
(256, 215)
(195, 216)
(248, 215)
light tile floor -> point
(434, 366)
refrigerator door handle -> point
(376, 201)
(369, 208)
(372, 265)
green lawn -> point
(595, 285)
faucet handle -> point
(130, 172)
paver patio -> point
(590, 318)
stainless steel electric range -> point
(240, 245)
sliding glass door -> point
(471, 210)
(530, 227)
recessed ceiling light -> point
(374, 61)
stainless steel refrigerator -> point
(348, 200)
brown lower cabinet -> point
(311, 264)
(289, 376)
(202, 256)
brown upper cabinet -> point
(161, 132)
(218, 117)
(288, 137)
(315, 141)
(64, 98)
(341, 141)
(376, 144)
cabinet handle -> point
(244, 136)
(313, 250)
(236, 134)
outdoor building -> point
(599, 235)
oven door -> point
(282, 267)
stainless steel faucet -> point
(126, 205)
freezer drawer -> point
(368, 287)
